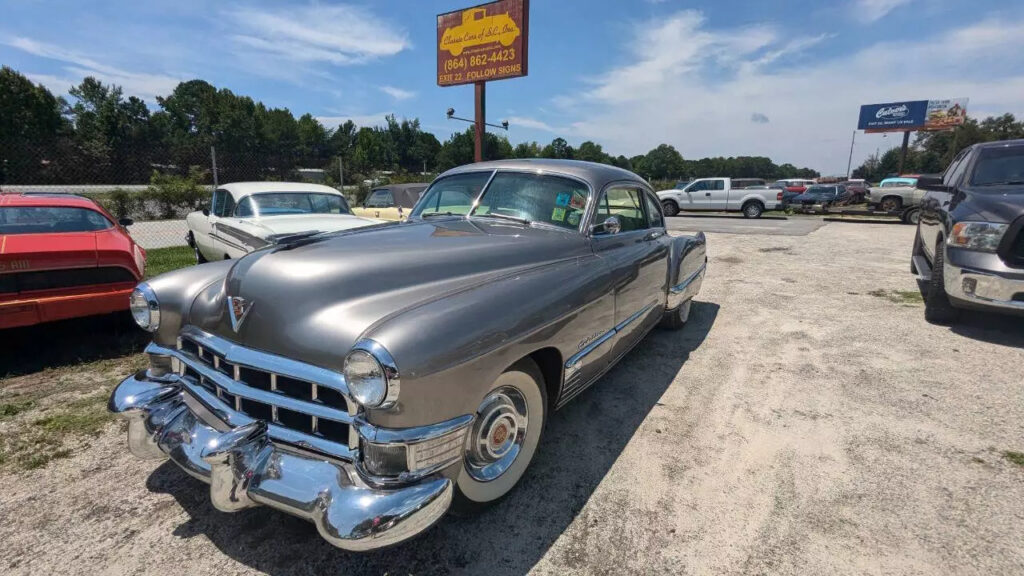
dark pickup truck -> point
(969, 248)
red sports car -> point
(63, 256)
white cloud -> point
(397, 93)
(873, 10)
(531, 123)
(334, 34)
(144, 85)
(696, 87)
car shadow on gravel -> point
(580, 445)
(992, 328)
(69, 342)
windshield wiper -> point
(432, 214)
(504, 217)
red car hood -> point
(30, 252)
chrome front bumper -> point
(245, 468)
(983, 288)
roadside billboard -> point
(913, 115)
(483, 43)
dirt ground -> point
(806, 421)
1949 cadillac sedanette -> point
(370, 380)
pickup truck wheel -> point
(912, 216)
(891, 203)
(676, 319)
(200, 259)
(503, 438)
(937, 307)
(669, 207)
(752, 209)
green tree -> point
(663, 163)
(458, 149)
(31, 129)
(558, 148)
(527, 150)
(112, 134)
(592, 152)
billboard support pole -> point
(849, 162)
(903, 151)
(481, 104)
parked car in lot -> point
(969, 247)
(717, 194)
(393, 202)
(371, 407)
(858, 190)
(893, 194)
(244, 216)
(63, 256)
(797, 185)
(823, 195)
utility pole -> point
(213, 160)
(341, 174)
(849, 163)
(481, 103)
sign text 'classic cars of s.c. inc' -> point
(913, 115)
(483, 43)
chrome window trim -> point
(689, 280)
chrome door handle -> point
(653, 235)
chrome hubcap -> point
(498, 434)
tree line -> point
(99, 135)
(931, 152)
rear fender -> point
(686, 268)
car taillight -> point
(778, 197)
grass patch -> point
(1015, 457)
(775, 249)
(15, 408)
(86, 416)
(906, 297)
(160, 260)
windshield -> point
(279, 203)
(523, 196)
(1003, 165)
(50, 220)
(820, 190)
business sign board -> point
(913, 115)
(483, 43)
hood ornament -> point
(238, 308)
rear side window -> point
(50, 220)
(380, 199)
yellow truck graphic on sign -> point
(478, 29)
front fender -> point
(687, 264)
(176, 290)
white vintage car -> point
(244, 216)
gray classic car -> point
(370, 380)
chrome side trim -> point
(678, 288)
(572, 365)
(410, 435)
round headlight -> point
(371, 375)
(145, 308)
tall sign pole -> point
(482, 44)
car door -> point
(935, 203)
(697, 196)
(225, 241)
(199, 226)
(638, 259)
(718, 196)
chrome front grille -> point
(301, 398)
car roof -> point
(1000, 143)
(48, 199)
(245, 188)
(598, 175)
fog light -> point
(384, 459)
(970, 284)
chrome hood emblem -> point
(238, 308)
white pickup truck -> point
(719, 194)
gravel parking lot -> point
(807, 420)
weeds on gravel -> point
(905, 297)
(1015, 457)
(43, 439)
(15, 408)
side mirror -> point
(206, 211)
(932, 183)
(126, 222)
(611, 225)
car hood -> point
(27, 252)
(313, 300)
(991, 203)
(292, 223)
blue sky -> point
(727, 77)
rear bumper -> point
(28, 311)
(245, 468)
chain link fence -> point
(155, 196)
